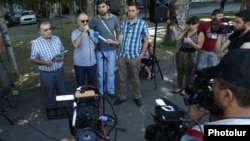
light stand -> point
(104, 74)
(104, 77)
(155, 60)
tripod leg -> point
(156, 60)
(7, 118)
(142, 68)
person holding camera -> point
(191, 41)
(207, 56)
(241, 35)
(231, 92)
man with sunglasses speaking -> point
(107, 25)
(43, 53)
(84, 57)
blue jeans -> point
(51, 81)
(109, 84)
(82, 72)
(206, 59)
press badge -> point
(214, 36)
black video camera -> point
(199, 91)
(169, 122)
(221, 26)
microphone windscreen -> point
(96, 34)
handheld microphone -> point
(97, 35)
(88, 32)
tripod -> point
(155, 60)
(103, 69)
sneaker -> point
(119, 101)
(150, 75)
(138, 102)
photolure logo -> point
(240, 132)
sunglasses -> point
(45, 30)
(83, 21)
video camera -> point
(219, 26)
(169, 122)
(86, 116)
(199, 91)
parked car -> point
(28, 17)
(9, 21)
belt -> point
(53, 71)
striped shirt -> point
(45, 50)
(132, 35)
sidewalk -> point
(32, 123)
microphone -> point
(88, 32)
(97, 35)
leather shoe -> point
(119, 101)
(138, 102)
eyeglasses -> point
(45, 30)
(83, 21)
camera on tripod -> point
(86, 116)
(221, 26)
(199, 91)
(169, 122)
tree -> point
(90, 8)
(179, 10)
(123, 10)
(7, 45)
(245, 4)
(222, 4)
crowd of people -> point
(219, 55)
(95, 59)
(127, 44)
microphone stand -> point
(103, 61)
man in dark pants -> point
(43, 52)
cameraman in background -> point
(206, 55)
(241, 35)
(231, 91)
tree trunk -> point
(247, 4)
(42, 10)
(90, 8)
(72, 15)
(123, 10)
(178, 11)
(7, 45)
